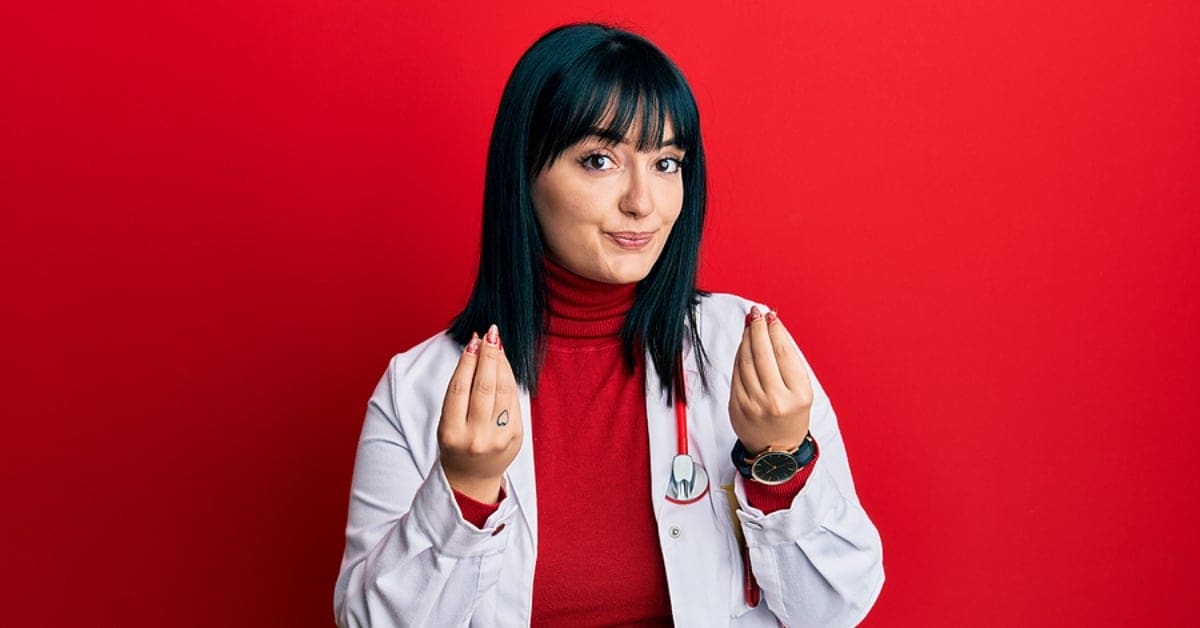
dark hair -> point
(567, 83)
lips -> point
(631, 239)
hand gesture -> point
(770, 394)
(479, 432)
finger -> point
(509, 394)
(765, 365)
(483, 389)
(744, 368)
(791, 365)
(458, 393)
(738, 395)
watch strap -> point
(742, 459)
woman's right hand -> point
(480, 429)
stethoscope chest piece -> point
(689, 480)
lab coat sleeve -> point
(819, 562)
(410, 559)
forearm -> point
(410, 558)
(818, 563)
(429, 567)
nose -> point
(637, 200)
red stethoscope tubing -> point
(681, 439)
(681, 446)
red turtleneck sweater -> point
(599, 560)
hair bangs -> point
(624, 86)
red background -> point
(221, 220)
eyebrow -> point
(613, 137)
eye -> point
(669, 165)
(596, 161)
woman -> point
(595, 441)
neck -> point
(585, 308)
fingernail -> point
(493, 336)
(771, 317)
(754, 315)
(473, 345)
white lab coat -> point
(412, 560)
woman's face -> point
(606, 209)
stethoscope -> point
(689, 484)
(689, 480)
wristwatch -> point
(773, 466)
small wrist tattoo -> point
(502, 420)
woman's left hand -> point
(770, 395)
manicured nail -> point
(754, 315)
(493, 336)
(473, 345)
(771, 317)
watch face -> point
(774, 467)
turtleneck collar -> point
(585, 308)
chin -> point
(612, 269)
(629, 271)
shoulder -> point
(416, 378)
(722, 308)
(720, 319)
(431, 353)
